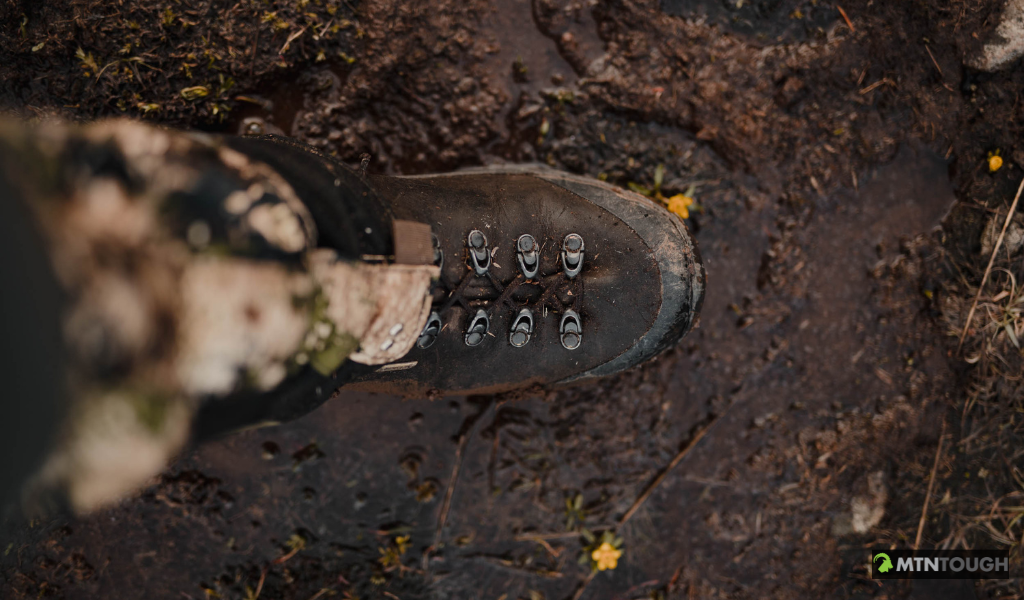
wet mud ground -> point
(836, 170)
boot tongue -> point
(413, 244)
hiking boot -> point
(546, 279)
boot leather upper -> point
(620, 279)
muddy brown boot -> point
(546, 279)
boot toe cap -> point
(679, 262)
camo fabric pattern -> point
(191, 272)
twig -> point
(564, 535)
(649, 583)
(259, 586)
(511, 565)
(988, 269)
(980, 207)
(465, 432)
(848, 22)
(102, 71)
(934, 62)
(280, 560)
(291, 39)
(931, 483)
(326, 27)
(675, 461)
(554, 553)
(321, 593)
(583, 586)
(876, 84)
(542, 539)
(447, 504)
(451, 485)
(671, 587)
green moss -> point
(330, 347)
(151, 410)
(168, 17)
(337, 348)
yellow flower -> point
(403, 543)
(995, 162)
(606, 557)
(680, 204)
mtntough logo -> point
(940, 564)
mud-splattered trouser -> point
(157, 287)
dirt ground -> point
(840, 165)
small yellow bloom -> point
(606, 556)
(680, 204)
(995, 162)
(403, 543)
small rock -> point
(1012, 241)
(866, 510)
(1007, 43)
(269, 450)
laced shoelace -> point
(482, 295)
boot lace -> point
(544, 282)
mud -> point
(824, 158)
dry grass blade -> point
(934, 62)
(447, 504)
(931, 484)
(849, 23)
(988, 269)
(259, 586)
(563, 535)
(291, 39)
(583, 586)
(671, 465)
(877, 84)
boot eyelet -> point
(478, 327)
(522, 328)
(528, 254)
(430, 331)
(571, 330)
(479, 253)
(438, 253)
(572, 255)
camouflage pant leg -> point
(190, 273)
